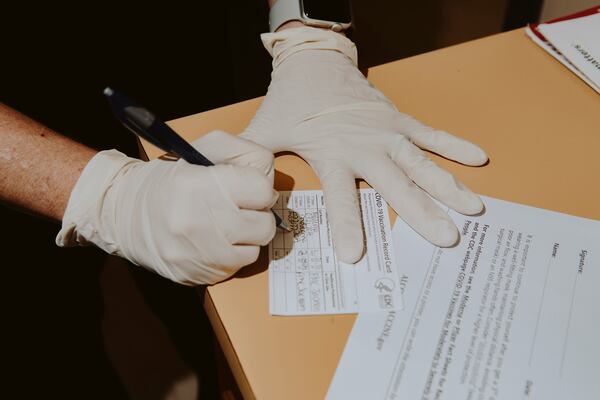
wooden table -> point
(539, 124)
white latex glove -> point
(322, 108)
(188, 223)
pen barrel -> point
(177, 144)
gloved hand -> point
(321, 107)
(188, 223)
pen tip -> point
(284, 226)
(108, 91)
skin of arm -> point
(38, 167)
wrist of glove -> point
(320, 106)
(188, 223)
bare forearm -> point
(38, 167)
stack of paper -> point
(574, 41)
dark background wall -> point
(180, 59)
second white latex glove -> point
(321, 107)
(188, 223)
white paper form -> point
(512, 312)
(306, 278)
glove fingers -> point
(441, 142)
(256, 228)
(223, 148)
(436, 181)
(343, 212)
(248, 188)
(411, 203)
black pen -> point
(145, 125)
